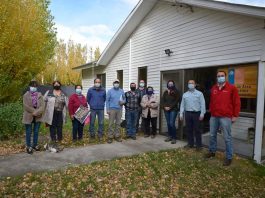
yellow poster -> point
(244, 78)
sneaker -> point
(209, 155)
(153, 136)
(29, 150)
(92, 137)
(173, 141)
(128, 136)
(227, 162)
(109, 140)
(168, 139)
(36, 148)
(188, 146)
(100, 139)
(133, 137)
(146, 136)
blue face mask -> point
(33, 89)
(149, 92)
(191, 86)
(221, 79)
(78, 91)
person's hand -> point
(234, 119)
(181, 118)
(108, 112)
(72, 117)
(201, 118)
(121, 103)
(167, 108)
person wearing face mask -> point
(150, 103)
(224, 108)
(33, 106)
(142, 91)
(170, 103)
(114, 103)
(96, 97)
(75, 101)
(132, 106)
(55, 112)
(193, 105)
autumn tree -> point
(27, 41)
(97, 53)
(67, 56)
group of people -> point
(138, 102)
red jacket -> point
(225, 102)
(74, 103)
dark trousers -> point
(56, 129)
(193, 126)
(140, 127)
(77, 129)
(147, 122)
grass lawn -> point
(17, 145)
(172, 173)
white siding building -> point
(204, 36)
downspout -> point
(130, 62)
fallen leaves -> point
(172, 173)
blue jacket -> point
(113, 98)
(96, 98)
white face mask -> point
(221, 79)
(116, 85)
(97, 85)
(191, 86)
(33, 89)
(142, 84)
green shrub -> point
(10, 120)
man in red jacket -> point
(224, 108)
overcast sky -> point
(94, 22)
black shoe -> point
(133, 137)
(227, 162)
(188, 146)
(128, 136)
(109, 140)
(209, 155)
(146, 136)
(118, 139)
(153, 136)
(168, 139)
(100, 139)
(36, 148)
(29, 150)
(173, 141)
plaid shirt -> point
(132, 100)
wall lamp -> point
(168, 52)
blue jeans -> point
(171, 119)
(36, 127)
(100, 115)
(131, 117)
(225, 125)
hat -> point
(116, 80)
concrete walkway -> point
(22, 163)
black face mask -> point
(57, 87)
(133, 88)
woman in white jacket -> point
(150, 103)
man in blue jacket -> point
(96, 97)
(114, 103)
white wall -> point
(198, 39)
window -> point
(120, 77)
(102, 77)
(142, 74)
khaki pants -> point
(114, 123)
